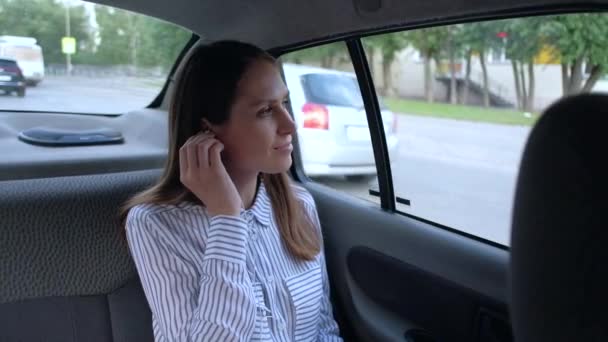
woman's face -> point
(257, 136)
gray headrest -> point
(559, 247)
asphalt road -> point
(456, 173)
(86, 95)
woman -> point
(226, 247)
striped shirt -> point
(227, 278)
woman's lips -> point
(285, 147)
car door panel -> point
(395, 273)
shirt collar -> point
(261, 208)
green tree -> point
(127, 38)
(45, 21)
(455, 49)
(388, 45)
(161, 42)
(523, 43)
(429, 42)
(579, 41)
(118, 33)
(479, 38)
(328, 55)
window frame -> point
(370, 98)
(388, 199)
(158, 100)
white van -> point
(28, 55)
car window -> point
(465, 98)
(6, 62)
(81, 57)
(333, 134)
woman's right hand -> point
(203, 173)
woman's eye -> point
(265, 111)
(285, 102)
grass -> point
(152, 83)
(461, 112)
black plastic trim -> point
(374, 119)
(455, 231)
(522, 12)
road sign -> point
(68, 45)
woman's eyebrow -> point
(261, 101)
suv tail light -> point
(315, 116)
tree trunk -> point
(486, 86)
(596, 72)
(451, 54)
(453, 90)
(386, 75)
(334, 61)
(565, 79)
(133, 47)
(576, 77)
(531, 86)
(524, 91)
(467, 79)
(372, 61)
(326, 62)
(520, 103)
(433, 73)
(428, 85)
(133, 42)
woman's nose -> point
(286, 124)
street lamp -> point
(68, 56)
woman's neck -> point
(246, 184)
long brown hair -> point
(206, 88)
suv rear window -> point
(7, 62)
(334, 90)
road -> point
(456, 173)
(86, 95)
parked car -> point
(11, 77)
(332, 124)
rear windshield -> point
(334, 90)
(112, 62)
(7, 62)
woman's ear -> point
(205, 125)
